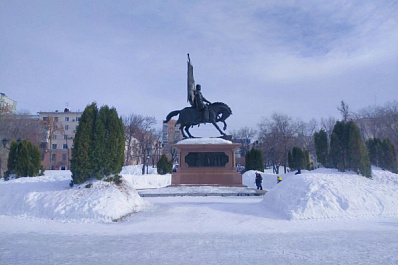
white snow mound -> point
(204, 140)
(51, 197)
(327, 193)
(133, 175)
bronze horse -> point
(190, 116)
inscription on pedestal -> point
(206, 159)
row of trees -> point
(142, 139)
(382, 154)
(98, 147)
(345, 150)
(279, 134)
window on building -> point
(55, 118)
(42, 157)
(53, 157)
(65, 137)
(63, 157)
(54, 137)
(45, 118)
(66, 118)
(66, 127)
(77, 118)
(64, 146)
(54, 146)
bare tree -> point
(243, 136)
(379, 122)
(305, 135)
(344, 110)
(21, 125)
(140, 128)
(328, 125)
(276, 136)
(51, 125)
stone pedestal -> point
(204, 163)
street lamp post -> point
(147, 162)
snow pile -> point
(137, 170)
(133, 175)
(318, 194)
(327, 193)
(269, 180)
(51, 197)
(205, 140)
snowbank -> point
(318, 194)
(51, 197)
(269, 180)
(204, 140)
(133, 175)
(327, 193)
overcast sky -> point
(299, 58)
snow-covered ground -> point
(318, 217)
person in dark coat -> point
(259, 180)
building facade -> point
(61, 130)
(7, 104)
(170, 135)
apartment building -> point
(61, 130)
(171, 134)
(7, 104)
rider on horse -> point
(200, 103)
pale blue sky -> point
(300, 58)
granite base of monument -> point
(205, 162)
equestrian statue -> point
(201, 110)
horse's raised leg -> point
(218, 128)
(187, 130)
(225, 125)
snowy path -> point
(195, 230)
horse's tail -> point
(171, 114)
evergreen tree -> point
(254, 160)
(290, 161)
(24, 160)
(99, 153)
(337, 147)
(321, 147)
(22, 166)
(164, 166)
(81, 166)
(12, 158)
(382, 154)
(347, 150)
(114, 143)
(99, 144)
(298, 159)
(388, 156)
(374, 151)
(35, 161)
(358, 159)
(307, 160)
